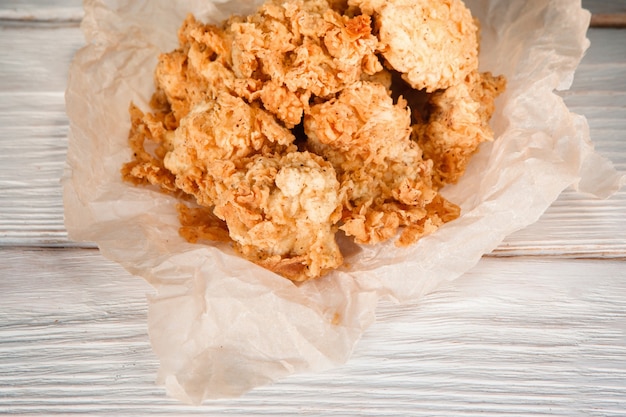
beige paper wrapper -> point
(221, 325)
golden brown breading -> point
(281, 212)
(230, 101)
(223, 129)
(386, 183)
(198, 70)
(148, 131)
(200, 223)
(433, 43)
(286, 105)
(305, 48)
(458, 124)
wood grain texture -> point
(509, 338)
(615, 20)
(33, 130)
(41, 10)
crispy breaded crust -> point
(386, 183)
(282, 127)
(458, 124)
(224, 129)
(281, 212)
(434, 44)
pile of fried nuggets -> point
(312, 116)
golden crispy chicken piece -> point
(433, 43)
(385, 182)
(304, 49)
(198, 70)
(223, 129)
(282, 211)
(458, 124)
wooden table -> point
(537, 328)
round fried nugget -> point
(224, 129)
(386, 184)
(433, 43)
(458, 124)
(281, 212)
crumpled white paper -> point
(221, 325)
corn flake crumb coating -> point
(225, 129)
(282, 211)
(278, 129)
(434, 44)
(293, 50)
(387, 184)
(458, 124)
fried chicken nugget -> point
(185, 77)
(458, 124)
(433, 43)
(281, 212)
(223, 129)
(385, 182)
(196, 71)
(299, 49)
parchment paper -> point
(221, 325)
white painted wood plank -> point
(35, 59)
(521, 337)
(573, 226)
(42, 10)
(33, 129)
